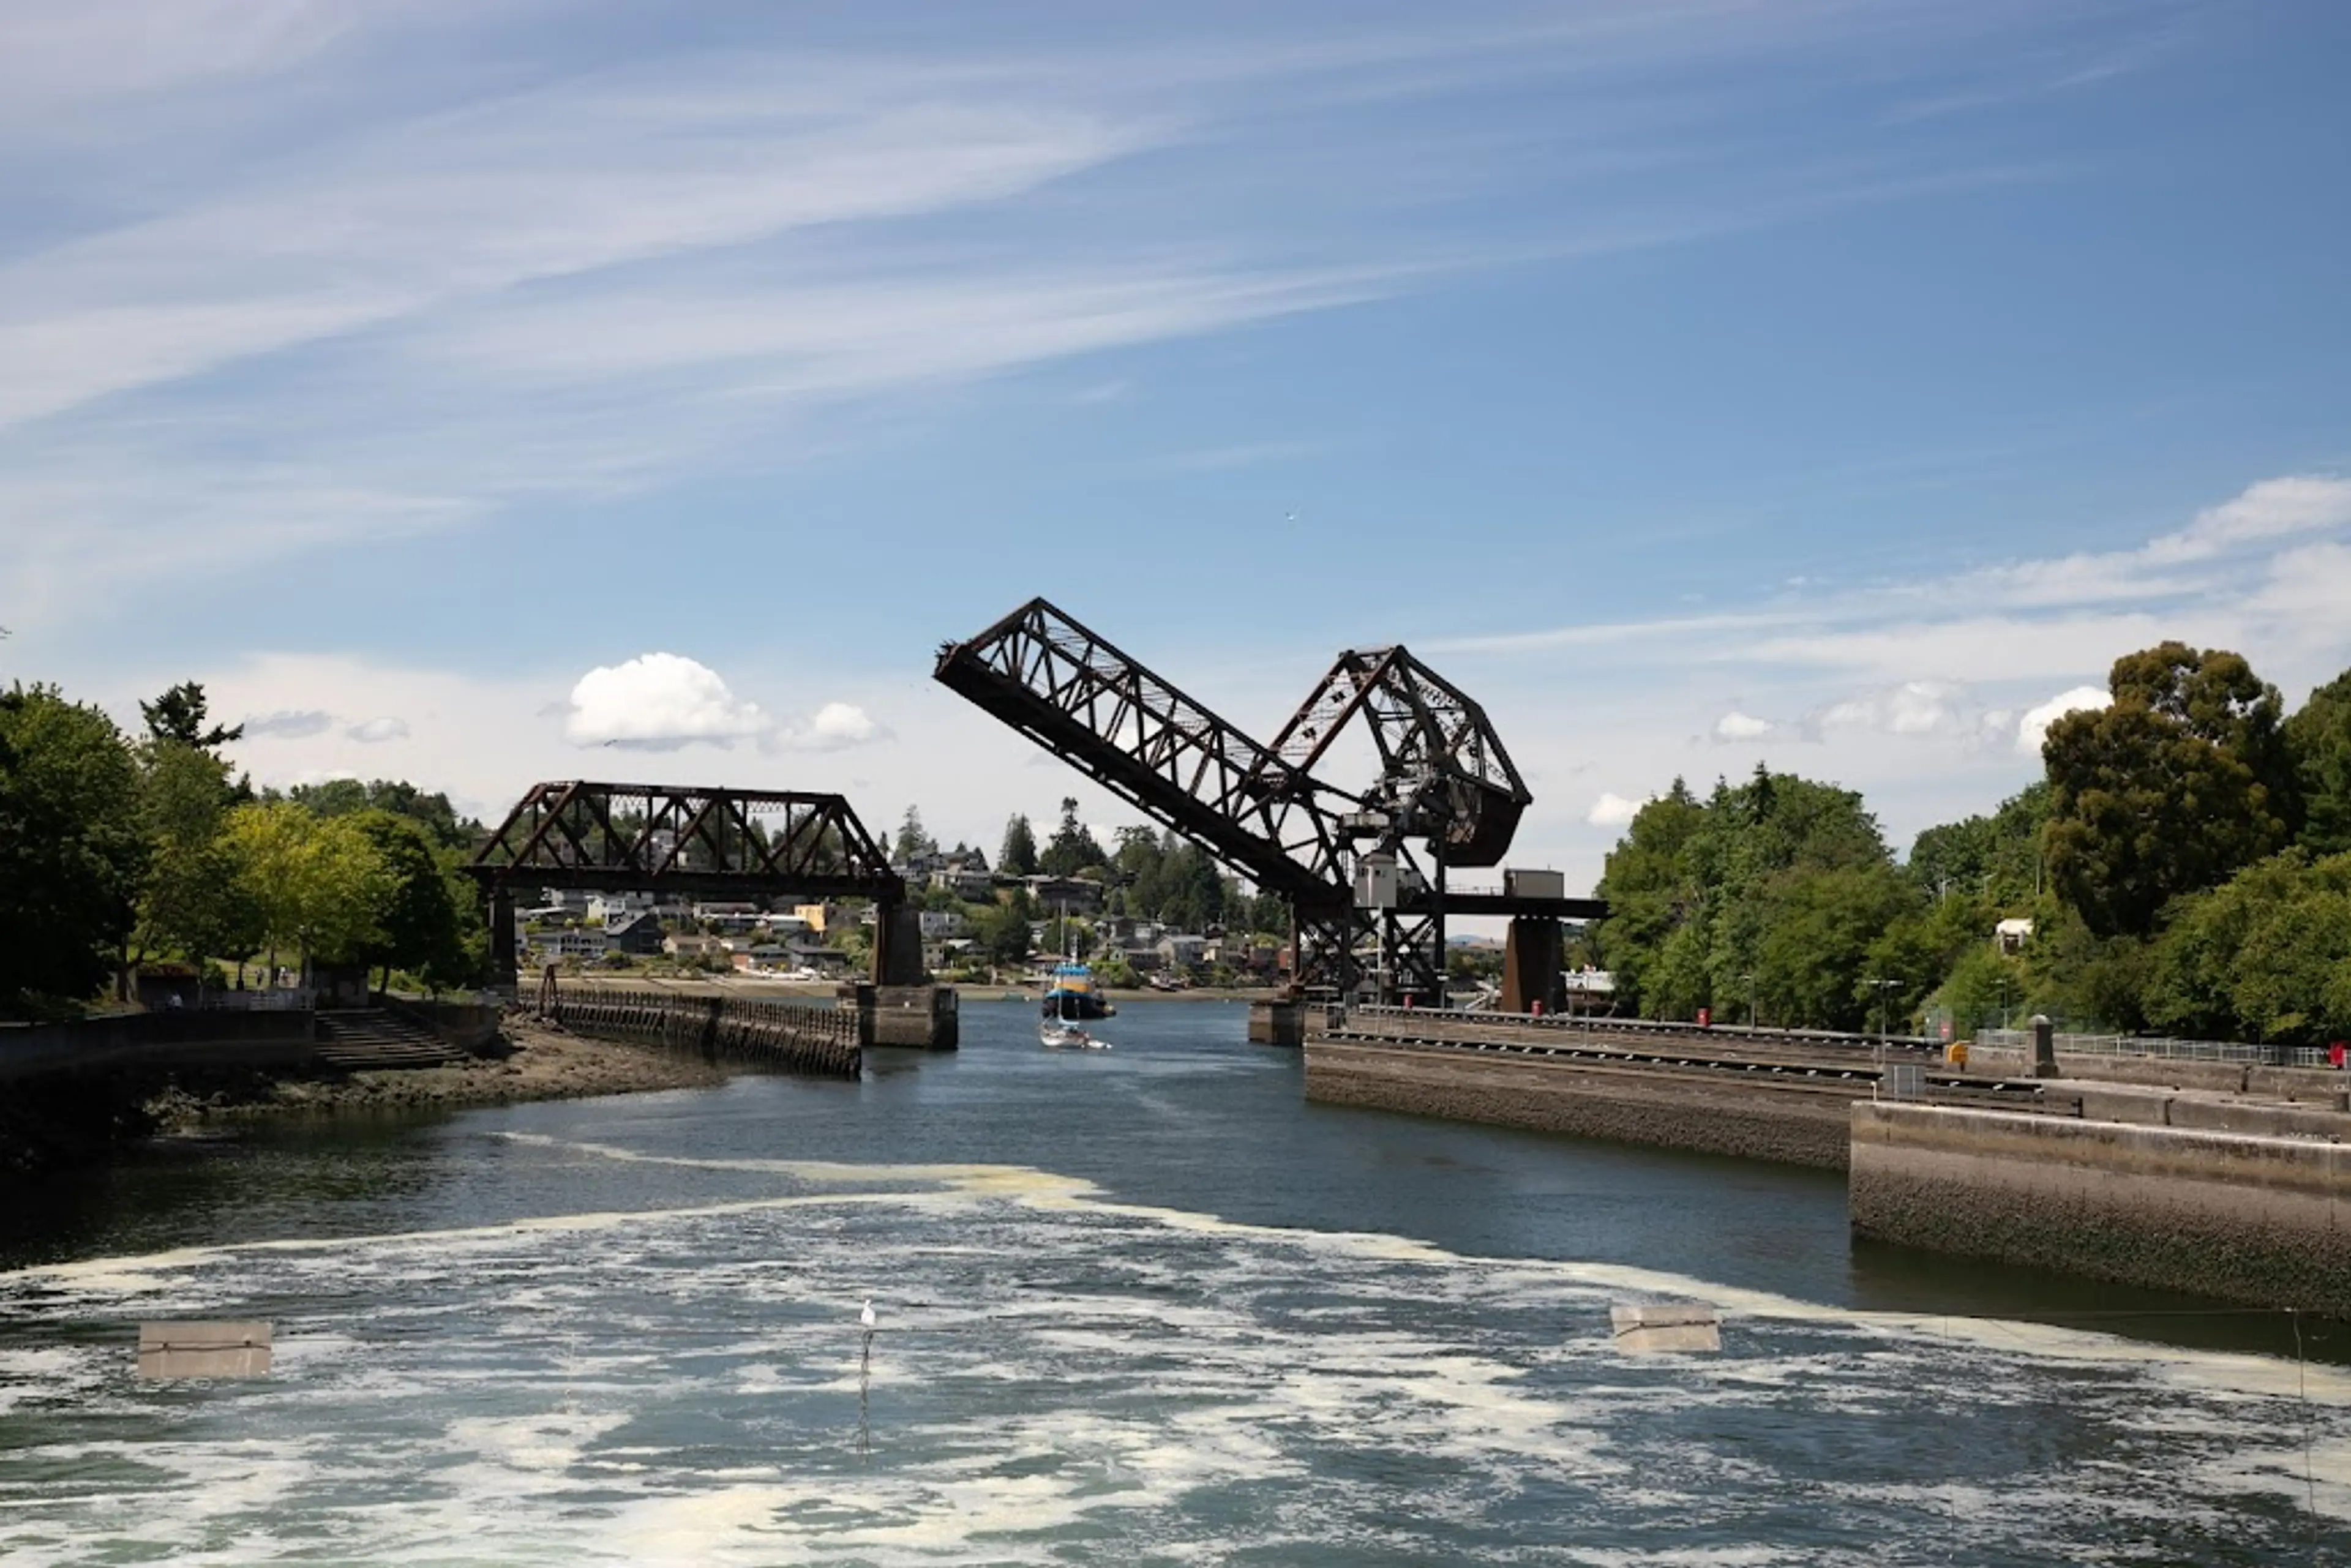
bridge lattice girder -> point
(717, 842)
(1158, 749)
(1443, 774)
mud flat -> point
(542, 1063)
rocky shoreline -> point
(541, 1062)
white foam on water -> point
(1053, 1368)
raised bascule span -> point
(1362, 869)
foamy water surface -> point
(1076, 1361)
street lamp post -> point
(1750, 999)
(1883, 985)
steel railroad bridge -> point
(1364, 869)
(710, 843)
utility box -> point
(1534, 884)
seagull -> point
(865, 1315)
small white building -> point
(617, 908)
(586, 945)
(2010, 935)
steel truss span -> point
(1445, 794)
(711, 842)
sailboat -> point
(1063, 1027)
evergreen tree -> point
(179, 716)
(1018, 857)
(1073, 848)
(911, 840)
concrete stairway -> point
(372, 1038)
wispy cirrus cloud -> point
(361, 312)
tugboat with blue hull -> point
(1071, 994)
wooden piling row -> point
(791, 1037)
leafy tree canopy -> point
(72, 848)
(1996, 858)
(2265, 956)
(431, 812)
(1769, 894)
(2319, 736)
(2182, 781)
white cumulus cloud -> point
(835, 727)
(1612, 811)
(659, 702)
(2033, 727)
(1737, 726)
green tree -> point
(433, 813)
(911, 840)
(72, 850)
(1813, 960)
(1073, 848)
(2319, 737)
(319, 886)
(1982, 985)
(1996, 858)
(2266, 955)
(180, 714)
(420, 925)
(1712, 902)
(1001, 931)
(2185, 778)
(190, 900)
(1018, 857)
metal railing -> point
(1598, 1023)
(273, 1000)
(2164, 1047)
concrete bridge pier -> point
(1277, 1023)
(923, 1016)
(1531, 965)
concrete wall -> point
(1630, 1105)
(469, 1026)
(2260, 1219)
(2317, 1084)
(225, 1039)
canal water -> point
(1140, 1307)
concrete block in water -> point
(197, 1349)
(1651, 1328)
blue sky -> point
(1833, 383)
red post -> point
(1535, 1006)
(1706, 1018)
